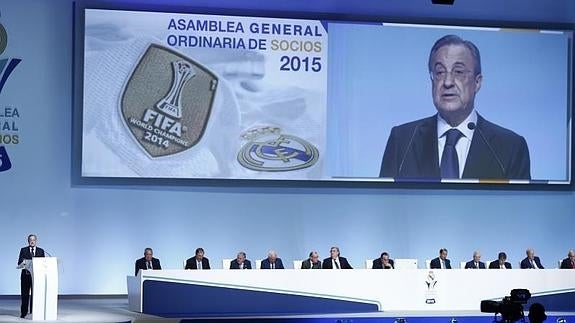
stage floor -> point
(115, 309)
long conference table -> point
(217, 292)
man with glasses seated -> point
(456, 142)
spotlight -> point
(448, 2)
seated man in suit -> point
(240, 262)
(531, 261)
(272, 261)
(383, 262)
(147, 262)
(456, 142)
(198, 261)
(441, 262)
(501, 262)
(312, 262)
(335, 261)
(569, 262)
(27, 253)
(476, 263)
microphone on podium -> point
(473, 126)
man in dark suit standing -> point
(335, 261)
(456, 142)
(312, 262)
(383, 262)
(476, 263)
(501, 262)
(240, 262)
(198, 262)
(26, 288)
(441, 262)
(531, 261)
(148, 262)
(272, 261)
(569, 262)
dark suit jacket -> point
(471, 265)
(436, 264)
(566, 264)
(377, 264)
(25, 254)
(267, 265)
(525, 264)
(191, 263)
(495, 265)
(141, 264)
(342, 263)
(306, 264)
(421, 160)
(234, 264)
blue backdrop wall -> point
(98, 231)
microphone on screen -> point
(472, 126)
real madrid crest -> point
(270, 150)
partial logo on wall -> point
(9, 114)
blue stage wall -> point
(98, 231)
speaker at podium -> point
(45, 281)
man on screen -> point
(476, 263)
(198, 262)
(531, 261)
(27, 252)
(569, 262)
(240, 262)
(501, 262)
(456, 142)
(441, 262)
(383, 262)
(148, 262)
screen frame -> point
(78, 86)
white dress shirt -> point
(464, 142)
(334, 262)
(198, 264)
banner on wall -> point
(9, 114)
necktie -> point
(199, 265)
(476, 266)
(442, 264)
(449, 158)
(273, 265)
(149, 265)
(336, 264)
(33, 252)
(532, 264)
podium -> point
(45, 287)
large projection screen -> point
(197, 96)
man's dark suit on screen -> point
(266, 264)
(307, 264)
(234, 264)
(343, 263)
(142, 264)
(412, 152)
(26, 279)
(495, 265)
(377, 264)
(471, 265)
(526, 264)
(567, 264)
(436, 263)
(192, 264)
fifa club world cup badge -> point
(167, 101)
(269, 150)
(430, 293)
